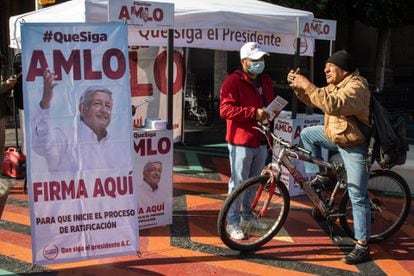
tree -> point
(384, 15)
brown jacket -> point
(341, 103)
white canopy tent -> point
(209, 24)
(213, 24)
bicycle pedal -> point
(320, 183)
(337, 240)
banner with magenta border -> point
(81, 171)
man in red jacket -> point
(243, 96)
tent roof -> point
(204, 14)
(235, 14)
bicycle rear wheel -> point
(390, 203)
(203, 116)
(274, 215)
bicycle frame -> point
(272, 188)
(284, 157)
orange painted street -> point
(191, 246)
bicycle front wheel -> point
(390, 203)
(267, 220)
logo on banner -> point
(283, 126)
(148, 15)
(316, 28)
(143, 11)
(148, 146)
(50, 252)
(303, 45)
(321, 29)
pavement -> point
(191, 246)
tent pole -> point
(185, 83)
(295, 66)
(331, 47)
(170, 74)
(309, 110)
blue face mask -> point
(257, 67)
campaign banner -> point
(289, 129)
(154, 157)
(81, 171)
(321, 29)
(225, 39)
(142, 14)
(149, 87)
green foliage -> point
(374, 13)
(384, 13)
(327, 9)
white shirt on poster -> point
(69, 150)
(147, 197)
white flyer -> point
(275, 107)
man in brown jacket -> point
(345, 101)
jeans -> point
(354, 157)
(245, 162)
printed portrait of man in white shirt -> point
(84, 145)
(151, 191)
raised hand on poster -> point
(48, 85)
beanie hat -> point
(343, 60)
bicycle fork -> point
(271, 187)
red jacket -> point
(239, 99)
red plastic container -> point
(14, 163)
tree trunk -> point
(382, 60)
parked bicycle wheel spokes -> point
(257, 209)
(390, 203)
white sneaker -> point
(253, 222)
(235, 232)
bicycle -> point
(194, 110)
(388, 192)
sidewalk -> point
(11, 137)
(191, 246)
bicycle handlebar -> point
(265, 129)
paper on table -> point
(275, 107)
